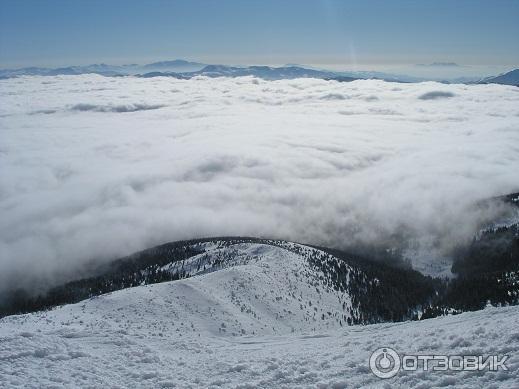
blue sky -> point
(341, 33)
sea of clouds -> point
(92, 168)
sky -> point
(343, 34)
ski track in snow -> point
(247, 325)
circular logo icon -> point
(384, 362)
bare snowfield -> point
(265, 321)
(94, 168)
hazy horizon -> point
(430, 71)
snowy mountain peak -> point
(252, 315)
(240, 289)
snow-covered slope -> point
(251, 289)
(171, 335)
(233, 290)
(250, 315)
(340, 288)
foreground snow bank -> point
(266, 321)
(74, 354)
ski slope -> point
(265, 319)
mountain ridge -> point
(508, 78)
(184, 69)
(379, 290)
(384, 300)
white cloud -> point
(161, 159)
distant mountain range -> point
(175, 65)
(186, 69)
(439, 65)
(509, 78)
(264, 72)
(102, 69)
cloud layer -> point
(155, 160)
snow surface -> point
(267, 320)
